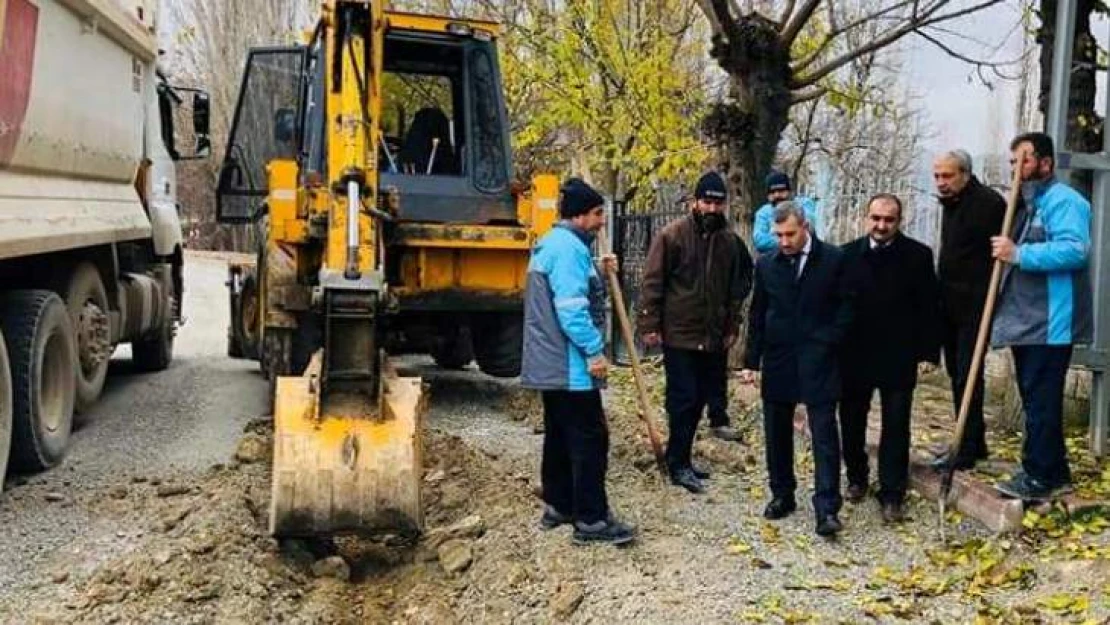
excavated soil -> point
(199, 553)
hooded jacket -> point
(564, 313)
(1045, 297)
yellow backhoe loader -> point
(374, 164)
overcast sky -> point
(968, 114)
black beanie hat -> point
(777, 181)
(711, 187)
(577, 198)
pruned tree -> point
(778, 56)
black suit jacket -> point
(798, 324)
(896, 321)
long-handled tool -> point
(630, 344)
(980, 346)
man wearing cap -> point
(778, 190)
(696, 277)
(564, 358)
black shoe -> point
(552, 518)
(609, 531)
(727, 433)
(855, 492)
(700, 473)
(686, 478)
(779, 508)
(828, 526)
(892, 512)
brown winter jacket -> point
(694, 286)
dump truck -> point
(374, 163)
(90, 240)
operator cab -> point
(445, 140)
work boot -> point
(779, 507)
(727, 433)
(608, 530)
(855, 492)
(1027, 488)
(686, 478)
(892, 512)
(552, 518)
(828, 526)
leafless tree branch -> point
(836, 31)
(913, 23)
(797, 22)
(807, 94)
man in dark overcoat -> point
(895, 327)
(801, 311)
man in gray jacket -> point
(1044, 309)
(564, 358)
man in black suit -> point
(801, 311)
(895, 327)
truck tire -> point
(87, 302)
(498, 341)
(455, 350)
(5, 411)
(244, 322)
(155, 352)
(41, 348)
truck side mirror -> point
(285, 125)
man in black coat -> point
(893, 329)
(801, 311)
(972, 214)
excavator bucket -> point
(346, 463)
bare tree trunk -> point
(750, 125)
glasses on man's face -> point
(713, 202)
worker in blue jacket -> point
(564, 358)
(778, 190)
(1043, 310)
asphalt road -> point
(169, 426)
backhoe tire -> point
(41, 349)
(155, 352)
(454, 350)
(5, 411)
(87, 302)
(243, 342)
(498, 341)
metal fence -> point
(840, 219)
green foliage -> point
(609, 86)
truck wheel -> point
(41, 347)
(498, 341)
(5, 411)
(87, 301)
(245, 323)
(455, 349)
(155, 352)
(277, 358)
